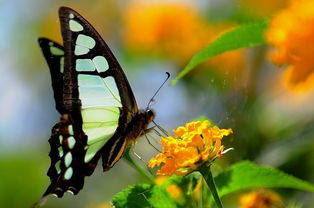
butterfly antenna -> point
(152, 99)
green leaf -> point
(133, 196)
(161, 199)
(248, 35)
(143, 196)
(245, 175)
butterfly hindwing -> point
(66, 171)
(65, 149)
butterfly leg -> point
(145, 132)
(139, 157)
(161, 129)
(145, 162)
(157, 132)
(134, 153)
(152, 144)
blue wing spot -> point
(84, 65)
(68, 159)
(68, 173)
(75, 26)
(101, 63)
(86, 41)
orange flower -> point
(261, 199)
(49, 25)
(192, 145)
(292, 33)
(174, 29)
(174, 191)
(262, 8)
(160, 180)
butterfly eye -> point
(150, 114)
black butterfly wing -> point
(97, 105)
(62, 135)
(83, 43)
(54, 55)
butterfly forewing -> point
(105, 95)
(87, 53)
(54, 54)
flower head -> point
(294, 41)
(174, 191)
(160, 27)
(176, 30)
(192, 145)
(261, 199)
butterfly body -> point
(136, 128)
(99, 114)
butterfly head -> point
(150, 115)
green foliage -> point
(22, 179)
(157, 196)
(241, 176)
(143, 195)
(248, 35)
(245, 175)
(133, 196)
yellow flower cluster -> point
(292, 33)
(261, 199)
(192, 145)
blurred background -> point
(271, 114)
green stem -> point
(207, 175)
(128, 158)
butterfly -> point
(99, 116)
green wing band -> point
(99, 124)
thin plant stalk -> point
(208, 177)
(140, 170)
